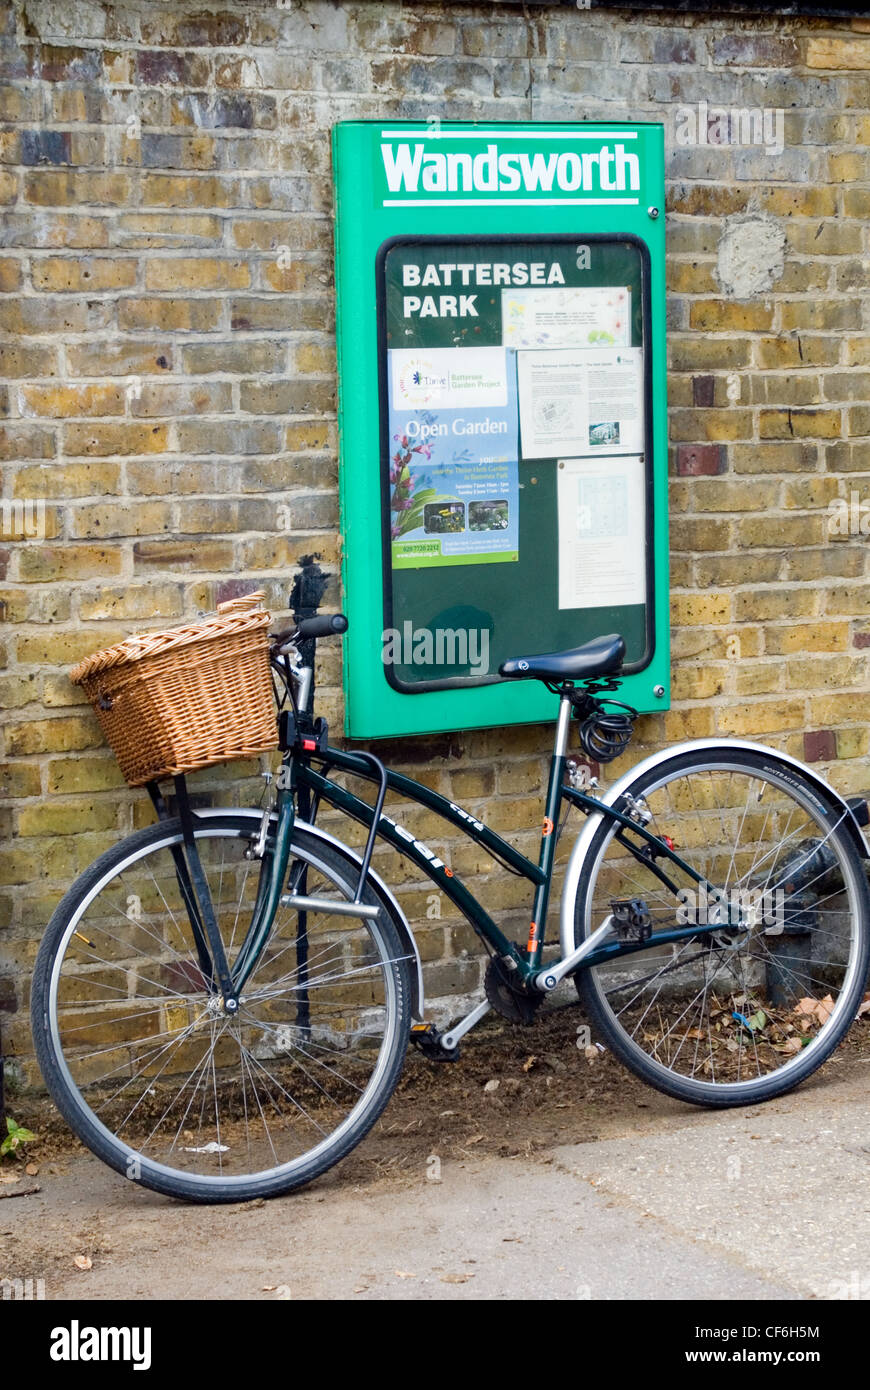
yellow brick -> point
(716, 425)
(760, 605)
(853, 599)
(72, 480)
(839, 54)
(810, 492)
(797, 352)
(310, 434)
(758, 678)
(84, 775)
(852, 743)
(10, 274)
(688, 277)
(724, 314)
(716, 571)
(679, 724)
(195, 273)
(794, 456)
(131, 602)
(59, 648)
(858, 351)
(766, 532)
(800, 424)
(43, 562)
(19, 779)
(468, 784)
(697, 683)
(807, 637)
(170, 315)
(298, 277)
(800, 202)
(821, 312)
(847, 166)
(688, 609)
(67, 817)
(71, 400)
(851, 707)
(59, 188)
(177, 191)
(314, 358)
(126, 438)
(53, 735)
(83, 274)
(93, 520)
(762, 717)
(17, 691)
(817, 673)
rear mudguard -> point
(612, 794)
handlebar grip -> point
(324, 625)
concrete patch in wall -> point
(751, 256)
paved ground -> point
(767, 1203)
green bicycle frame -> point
(539, 874)
(528, 960)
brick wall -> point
(167, 369)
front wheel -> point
(747, 1010)
(147, 1069)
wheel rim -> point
(153, 1065)
(771, 999)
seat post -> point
(560, 746)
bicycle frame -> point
(317, 786)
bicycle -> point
(222, 1003)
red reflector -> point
(668, 841)
(309, 744)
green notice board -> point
(502, 413)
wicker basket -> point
(170, 702)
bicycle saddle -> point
(600, 657)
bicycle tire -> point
(619, 1007)
(392, 967)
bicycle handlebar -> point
(323, 625)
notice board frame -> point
(506, 240)
(364, 232)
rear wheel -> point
(744, 1012)
(155, 1078)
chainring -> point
(504, 996)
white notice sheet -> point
(568, 317)
(602, 526)
(580, 401)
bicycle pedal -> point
(427, 1039)
(631, 919)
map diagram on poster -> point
(570, 317)
(454, 491)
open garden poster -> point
(453, 456)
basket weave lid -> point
(236, 615)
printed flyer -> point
(602, 525)
(454, 486)
(566, 318)
(580, 401)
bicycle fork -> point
(273, 849)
